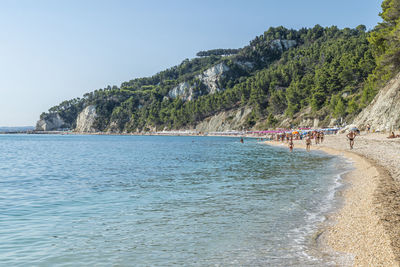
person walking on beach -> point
(351, 135)
(308, 142)
(368, 127)
(321, 135)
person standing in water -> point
(308, 142)
(351, 136)
(241, 140)
(291, 145)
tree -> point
(340, 109)
(352, 107)
(271, 121)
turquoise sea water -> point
(68, 200)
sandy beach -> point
(367, 226)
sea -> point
(104, 200)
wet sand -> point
(367, 227)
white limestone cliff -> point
(51, 122)
(282, 44)
(225, 121)
(383, 113)
(183, 90)
(209, 78)
(85, 120)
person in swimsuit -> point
(351, 135)
(291, 145)
(392, 135)
(368, 127)
(308, 142)
(321, 135)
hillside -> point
(283, 77)
(384, 111)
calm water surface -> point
(160, 201)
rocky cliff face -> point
(85, 120)
(184, 90)
(209, 78)
(51, 122)
(225, 121)
(282, 45)
(383, 113)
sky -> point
(51, 51)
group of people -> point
(318, 136)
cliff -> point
(225, 121)
(383, 113)
(209, 79)
(86, 119)
(51, 122)
(282, 78)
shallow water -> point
(160, 201)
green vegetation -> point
(283, 75)
(280, 74)
(385, 45)
(218, 52)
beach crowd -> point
(317, 136)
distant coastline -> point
(15, 129)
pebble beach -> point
(367, 227)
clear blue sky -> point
(52, 51)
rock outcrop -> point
(383, 113)
(209, 78)
(51, 122)
(85, 120)
(184, 90)
(224, 121)
(282, 45)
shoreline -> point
(366, 227)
